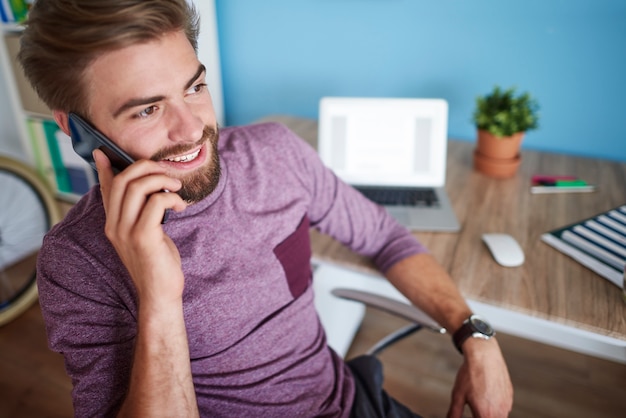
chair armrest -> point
(403, 310)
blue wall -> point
(282, 56)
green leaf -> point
(503, 113)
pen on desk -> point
(539, 179)
(561, 186)
(570, 183)
(564, 183)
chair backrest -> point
(417, 317)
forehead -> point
(159, 67)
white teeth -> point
(185, 158)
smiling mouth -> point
(184, 158)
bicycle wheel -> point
(28, 210)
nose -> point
(185, 123)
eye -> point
(197, 88)
(147, 112)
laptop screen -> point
(384, 142)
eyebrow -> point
(142, 101)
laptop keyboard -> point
(400, 196)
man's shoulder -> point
(265, 152)
(266, 134)
(84, 219)
(260, 128)
(272, 141)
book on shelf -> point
(6, 15)
(58, 166)
(80, 175)
(598, 243)
(40, 154)
(56, 161)
(14, 11)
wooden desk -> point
(550, 288)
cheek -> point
(203, 108)
(140, 143)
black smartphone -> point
(86, 138)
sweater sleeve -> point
(88, 324)
(342, 212)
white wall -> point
(9, 138)
(209, 55)
(208, 52)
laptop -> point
(393, 150)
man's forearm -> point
(427, 285)
(161, 382)
(483, 380)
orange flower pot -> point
(498, 157)
(492, 146)
(496, 167)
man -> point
(211, 313)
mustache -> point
(209, 134)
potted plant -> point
(502, 118)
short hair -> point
(62, 37)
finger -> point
(120, 184)
(457, 403)
(139, 193)
(456, 408)
(156, 206)
(105, 174)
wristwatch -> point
(475, 327)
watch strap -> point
(463, 333)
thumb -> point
(105, 172)
(456, 407)
(102, 162)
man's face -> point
(151, 99)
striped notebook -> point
(598, 243)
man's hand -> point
(482, 382)
(134, 204)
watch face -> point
(481, 326)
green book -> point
(41, 153)
(60, 172)
(19, 9)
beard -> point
(202, 182)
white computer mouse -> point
(504, 249)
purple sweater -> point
(257, 347)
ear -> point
(61, 118)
